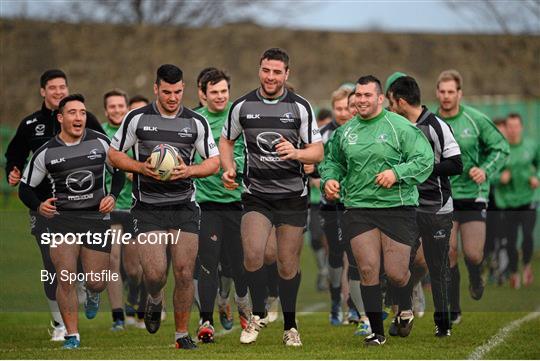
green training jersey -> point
(124, 198)
(211, 189)
(362, 148)
(482, 145)
(523, 163)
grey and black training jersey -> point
(263, 122)
(144, 128)
(76, 171)
(435, 193)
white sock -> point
(178, 335)
(356, 295)
(156, 300)
(55, 312)
(335, 276)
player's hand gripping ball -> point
(163, 159)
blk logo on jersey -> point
(40, 129)
(57, 161)
(80, 181)
(253, 116)
(31, 121)
(94, 154)
(150, 129)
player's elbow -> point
(214, 164)
(318, 153)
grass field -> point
(24, 315)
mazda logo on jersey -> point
(267, 141)
(80, 181)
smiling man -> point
(74, 161)
(34, 131)
(373, 168)
(281, 134)
(166, 205)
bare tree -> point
(180, 12)
(507, 16)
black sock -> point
(404, 295)
(288, 292)
(207, 316)
(335, 294)
(475, 273)
(273, 279)
(453, 294)
(372, 297)
(118, 314)
(257, 288)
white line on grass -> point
(493, 342)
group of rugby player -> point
(237, 201)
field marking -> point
(493, 342)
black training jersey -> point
(34, 131)
(435, 192)
(144, 128)
(263, 122)
(76, 172)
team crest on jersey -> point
(40, 129)
(80, 182)
(382, 138)
(184, 133)
(287, 118)
(94, 154)
(467, 133)
(352, 138)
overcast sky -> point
(340, 15)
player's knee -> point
(155, 279)
(287, 270)
(398, 279)
(96, 286)
(252, 261)
(475, 258)
(183, 274)
(369, 273)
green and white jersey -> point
(362, 148)
(523, 163)
(124, 198)
(211, 189)
(482, 145)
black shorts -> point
(98, 239)
(398, 223)
(124, 218)
(149, 218)
(467, 210)
(38, 224)
(291, 211)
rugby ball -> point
(163, 159)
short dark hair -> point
(138, 98)
(49, 75)
(366, 79)
(323, 114)
(276, 54)
(213, 77)
(406, 88)
(169, 73)
(113, 93)
(69, 98)
(515, 115)
(203, 72)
